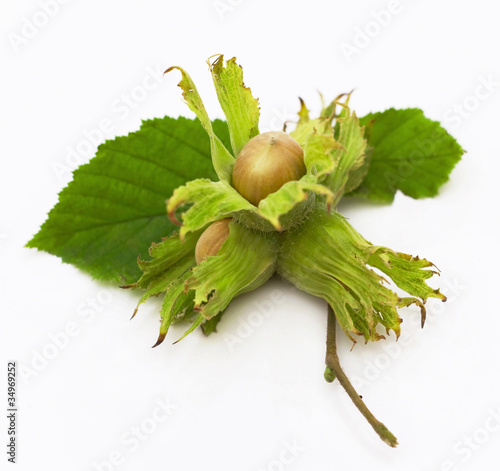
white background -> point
(241, 399)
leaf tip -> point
(171, 68)
(130, 286)
(172, 216)
(212, 63)
(160, 340)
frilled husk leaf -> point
(222, 159)
(328, 258)
(236, 100)
(203, 201)
(336, 156)
(208, 202)
(245, 261)
(170, 266)
(200, 293)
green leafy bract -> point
(171, 264)
(115, 206)
(239, 106)
(210, 201)
(335, 155)
(349, 158)
(307, 126)
(222, 159)
(318, 154)
(245, 261)
(330, 259)
(205, 290)
(171, 260)
(289, 196)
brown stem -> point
(332, 362)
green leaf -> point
(222, 159)
(411, 153)
(239, 106)
(116, 204)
